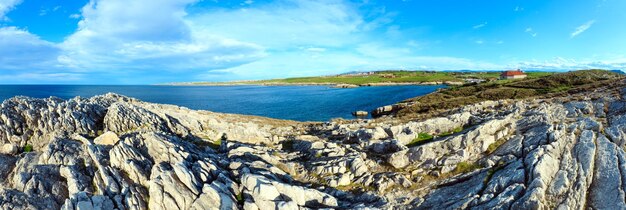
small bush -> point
(240, 198)
(28, 148)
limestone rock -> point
(9, 149)
(108, 138)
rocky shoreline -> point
(116, 152)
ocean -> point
(301, 103)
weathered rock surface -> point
(115, 152)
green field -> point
(385, 77)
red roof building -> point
(513, 74)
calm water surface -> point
(303, 103)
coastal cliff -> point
(116, 152)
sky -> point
(160, 41)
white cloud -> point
(479, 42)
(316, 49)
(149, 35)
(117, 36)
(480, 25)
(582, 28)
(44, 12)
(518, 9)
(21, 50)
(6, 6)
(559, 63)
(26, 59)
(286, 24)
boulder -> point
(9, 149)
(108, 138)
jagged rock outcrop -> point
(115, 152)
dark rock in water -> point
(386, 110)
(115, 152)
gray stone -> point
(9, 149)
(108, 138)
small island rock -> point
(360, 113)
(346, 86)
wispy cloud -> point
(560, 63)
(6, 6)
(531, 31)
(21, 50)
(480, 25)
(173, 44)
(582, 28)
(518, 9)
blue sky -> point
(156, 41)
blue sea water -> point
(302, 103)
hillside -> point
(377, 77)
(537, 87)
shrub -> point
(240, 198)
(28, 148)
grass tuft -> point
(422, 138)
(28, 148)
(495, 145)
(465, 167)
